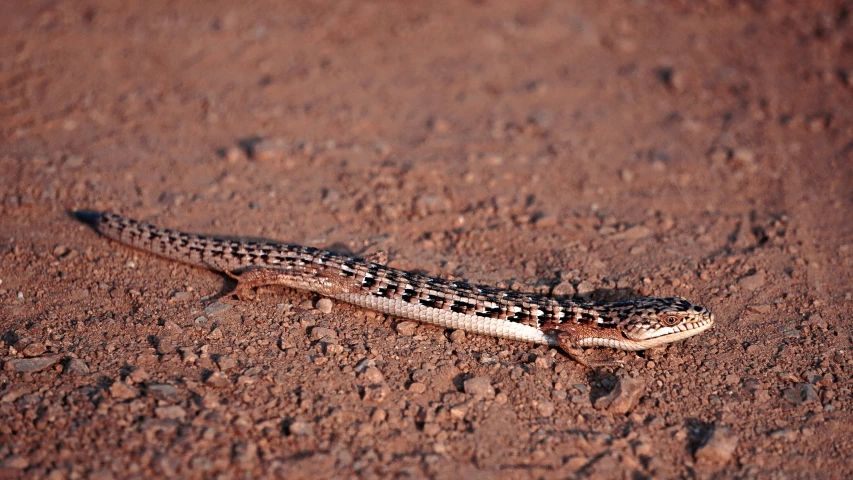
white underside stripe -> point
(499, 328)
(445, 318)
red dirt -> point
(696, 149)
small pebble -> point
(33, 350)
(376, 394)
(322, 333)
(165, 346)
(171, 412)
(784, 434)
(77, 367)
(457, 412)
(172, 327)
(479, 387)
(372, 375)
(216, 308)
(162, 391)
(416, 387)
(545, 408)
(430, 204)
(284, 342)
(188, 356)
(801, 393)
(299, 428)
(226, 363)
(138, 375)
(547, 220)
(585, 287)
(760, 308)
(623, 397)
(15, 462)
(181, 296)
(235, 155)
(378, 416)
(457, 336)
(217, 379)
(123, 391)
(406, 328)
(817, 321)
(31, 365)
(325, 305)
(636, 232)
(719, 448)
(743, 155)
(419, 375)
(563, 289)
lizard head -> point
(648, 322)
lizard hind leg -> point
(249, 280)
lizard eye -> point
(670, 320)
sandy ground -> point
(694, 149)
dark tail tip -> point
(87, 216)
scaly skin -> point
(630, 325)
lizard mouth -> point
(657, 336)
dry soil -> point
(606, 150)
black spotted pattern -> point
(311, 268)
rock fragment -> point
(216, 308)
(801, 393)
(75, 366)
(479, 387)
(376, 394)
(372, 375)
(30, 365)
(300, 428)
(719, 448)
(563, 288)
(217, 379)
(322, 333)
(623, 397)
(172, 412)
(34, 349)
(406, 328)
(16, 462)
(162, 391)
(123, 391)
(545, 408)
(457, 336)
(325, 305)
